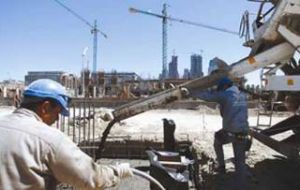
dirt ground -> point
(268, 170)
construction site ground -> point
(268, 170)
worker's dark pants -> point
(239, 146)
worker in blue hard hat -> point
(224, 83)
(36, 156)
(46, 98)
(234, 112)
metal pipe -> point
(147, 177)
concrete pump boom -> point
(276, 54)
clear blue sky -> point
(40, 35)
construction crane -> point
(164, 16)
(94, 31)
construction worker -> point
(234, 112)
(34, 155)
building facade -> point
(115, 77)
(216, 64)
(186, 74)
(173, 68)
(35, 75)
(196, 66)
(69, 81)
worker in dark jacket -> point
(234, 112)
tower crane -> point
(164, 16)
(94, 31)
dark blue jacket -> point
(233, 107)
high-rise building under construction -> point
(196, 66)
(173, 68)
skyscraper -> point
(186, 74)
(196, 66)
(173, 68)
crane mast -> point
(94, 31)
(164, 73)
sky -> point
(40, 35)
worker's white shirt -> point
(36, 156)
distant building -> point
(116, 82)
(70, 81)
(163, 74)
(10, 88)
(196, 66)
(120, 77)
(186, 74)
(35, 75)
(216, 64)
(173, 68)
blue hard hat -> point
(46, 88)
(224, 81)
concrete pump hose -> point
(147, 177)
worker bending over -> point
(35, 156)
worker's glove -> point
(184, 92)
(123, 170)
